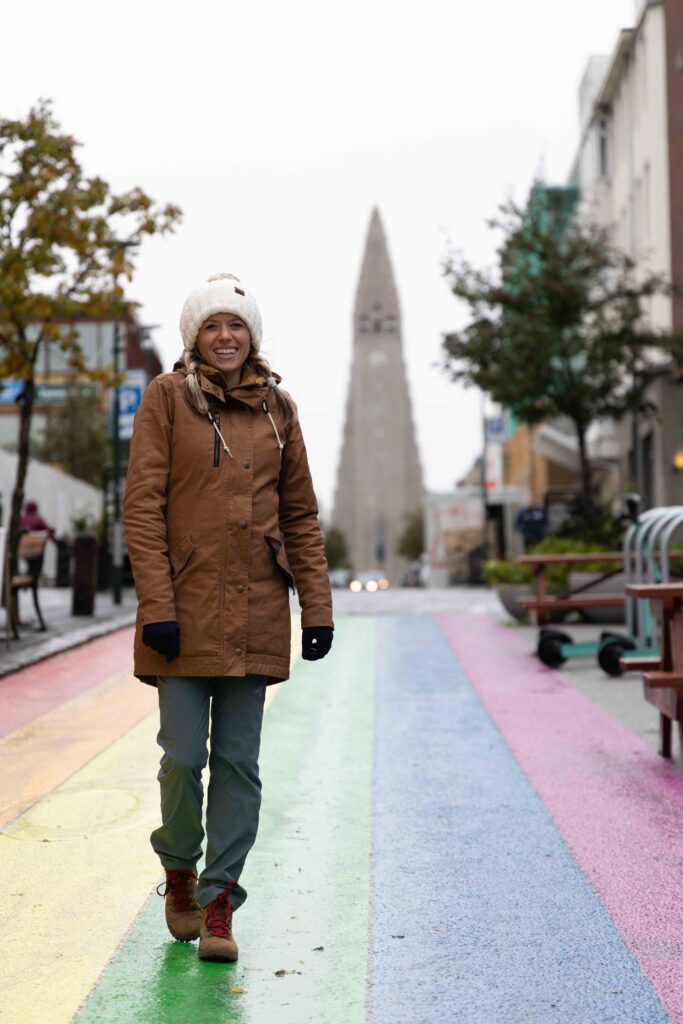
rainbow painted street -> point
(450, 832)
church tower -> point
(379, 477)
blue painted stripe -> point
(479, 912)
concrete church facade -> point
(379, 477)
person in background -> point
(31, 519)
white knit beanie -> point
(221, 293)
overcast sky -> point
(277, 126)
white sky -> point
(277, 126)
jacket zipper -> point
(216, 441)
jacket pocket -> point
(281, 561)
(179, 554)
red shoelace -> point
(219, 914)
(178, 884)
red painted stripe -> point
(617, 803)
(35, 690)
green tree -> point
(411, 543)
(77, 436)
(336, 549)
(559, 328)
(65, 239)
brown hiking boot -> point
(215, 935)
(183, 913)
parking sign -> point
(130, 396)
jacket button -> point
(243, 526)
(238, 650)
(246, 465)
(240, 588)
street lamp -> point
(117, 527)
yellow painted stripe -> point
(44, 753)
(79, 866)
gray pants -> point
(234, 799)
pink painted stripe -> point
(35, 690)
(618, 804)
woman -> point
(218, 486)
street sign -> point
(496, 428)
(56, 394)
(130, 396)
(10, 390)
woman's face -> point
(224, 342)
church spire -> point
(376, 295)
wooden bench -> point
(581, 597)
(663, 676)
(32, 551)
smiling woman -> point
(218, 486)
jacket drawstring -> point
(267, 411)
(215, 427)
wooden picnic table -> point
(663, 683)
(580, 597)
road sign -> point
(496, 428)
(57, 394)
(130, 396)
(10, 390)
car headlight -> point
(355, 586)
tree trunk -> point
(586, 470)
(25, 416)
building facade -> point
(630, 174)
(379, 476)
(52, 373)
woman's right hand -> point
(162, 637)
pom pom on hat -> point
(221, 293)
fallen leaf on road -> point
(318, 949)
(236, 988)
(281, 973)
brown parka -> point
(216, 538)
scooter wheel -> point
(549, 648)
(611, 651)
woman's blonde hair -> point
(254, 362)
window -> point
(603, 148)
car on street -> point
(371, 580)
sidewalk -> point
(64, 630)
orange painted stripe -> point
(35, 690)
(39, 756)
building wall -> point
(673, 12)
(630, 174)
(527, 467)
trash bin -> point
(84, 579)
(63, 563)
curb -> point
(12, 662)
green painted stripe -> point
(307, 877)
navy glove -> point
(315, 642)
(162, 637)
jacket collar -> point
(252, 389)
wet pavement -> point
(450, 831)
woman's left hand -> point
(316, 642)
